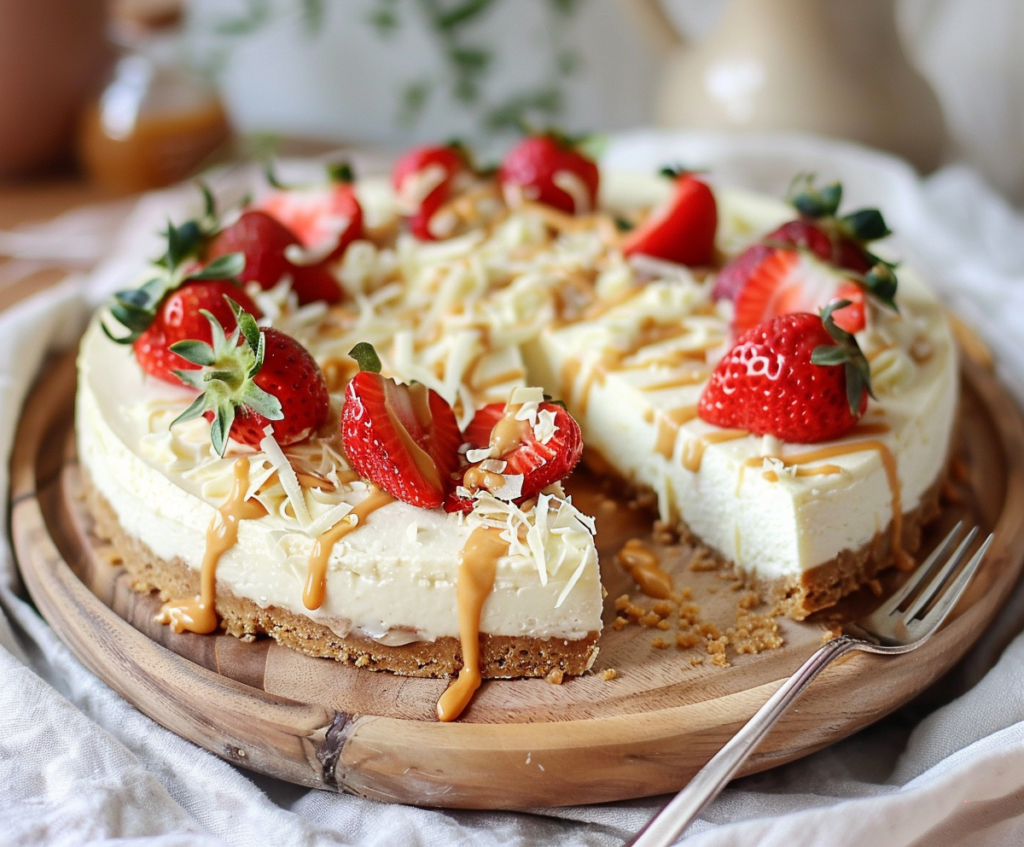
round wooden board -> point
(522, 743)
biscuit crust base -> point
(501, 656)
(800, 595)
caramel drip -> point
(478, 564)
(869, 429)
(338, 372)
(420, 404)
(823, 470)
(874, 354)
(475, 479)
(596, 374)
(903, 560)
(508, 432)
(498, 379)
(315, 589)
(199, 614)
(643, 566)
(668, 428)
(567, 380)
(602, 307)
(670, 359)
(693, 452)
(691, 378)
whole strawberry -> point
(798, 377)
(403, 438)
(683, 229)
(841, 241)
(180, 317)
(264, 242)
(550, 169)
(250, 379)
(424, 179)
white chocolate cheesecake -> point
(328, 564)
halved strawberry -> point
(514, 442)
(787, 281)
(325, 219)
(424, 179)
(683, 229)
(264, 241)
(550, 169)
(403, 438)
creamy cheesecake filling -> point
(393, 580)
(532, 297)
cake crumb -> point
(608, 674)
(555, 676)
(703, 560)
(875, 586)
(660, 643)
(696, 660)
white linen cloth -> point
(79, 765)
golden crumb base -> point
(501, 656)
(800, 595)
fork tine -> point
(944, 605)
(940, 579)
(921, 573)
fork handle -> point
(664, 827)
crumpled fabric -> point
(79, 765)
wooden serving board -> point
(522, 743)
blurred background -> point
(136, 93)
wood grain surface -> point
(521, 743)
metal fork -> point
(901, 624)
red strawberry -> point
(179, 317)
(787, 281)
(251, 379)
(541, 464)
(264, 240)
(324, 219)
(840, 241)
(403, 438)
(683, 229)
(549, 169)
(783, 378)
(424, 179)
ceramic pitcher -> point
(831, 67)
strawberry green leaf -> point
(846, 352)
(228, 266)
(865, 225)
(813, 202)
(248, 327)
(224, 416)
(340, 172)
(197, 407)
(366, 357)
(881, 283)
(196, 352)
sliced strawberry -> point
(250, 379)
(797, 376)
(550, 169)
(424, 179)
(180, 317)
(325, 220)
(541, 463)
(264, 241)
(787, 281)
(403, 438)
(683, 229)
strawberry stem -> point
(366, 357)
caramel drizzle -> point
(643, 566)
(668, 428)
(690, 378)
(693, 451)
(903, 560)
(478, 565)
(199, 614)
(498, 379)
(315, 589)
(508, 432)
